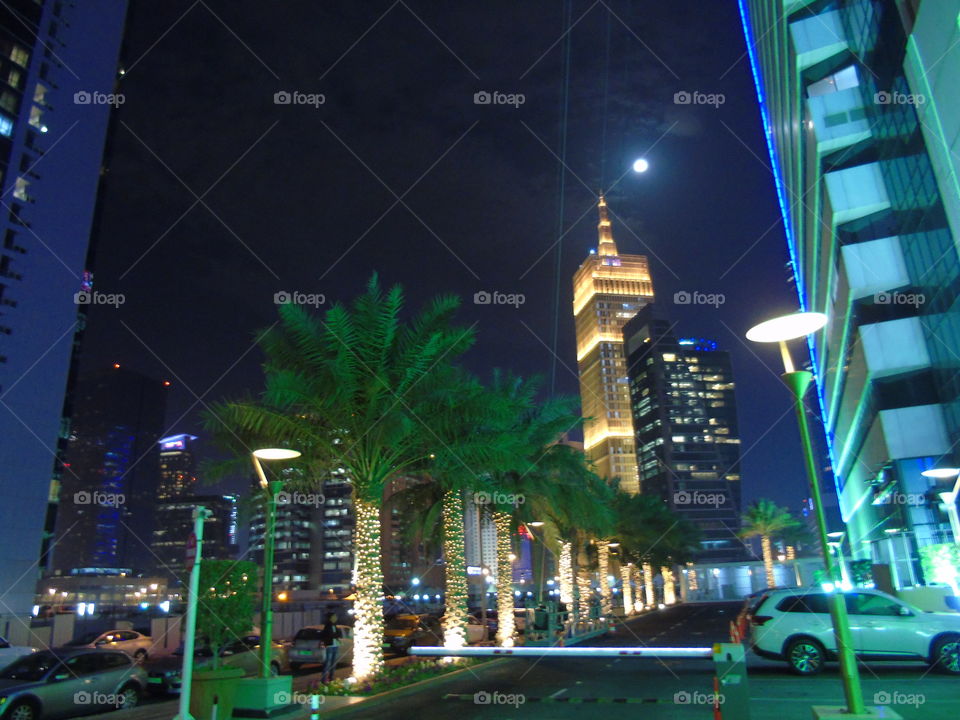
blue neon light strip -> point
(788, 228)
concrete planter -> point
(214, 687)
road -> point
(555, 689)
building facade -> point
(174, 525)
(107, 498)
(178, 467)
(687, 436)
(51, 53)
(608, 289)
(860, 108)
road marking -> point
(558, 692)
(575, 700)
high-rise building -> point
(178, 467)
(861, 110)
(608, 289)
(687, 436)
(107, 498)
(333, 564)
(53, 57)
(174, 525)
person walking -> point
(330, 637)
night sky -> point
(217, 198)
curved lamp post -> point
(948, 499)
(271, 488)
(779, 330)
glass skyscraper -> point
(687, 435)
(54, 55)
(861, 110)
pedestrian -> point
(330, 637)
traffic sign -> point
(191, 551)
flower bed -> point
(393, 677)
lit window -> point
(20, 189)
(19, 55)
(6, 126)
(36, 117)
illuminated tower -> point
(608, 290)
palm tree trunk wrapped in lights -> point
(669, 588)
(767, 547)
(651, 598)
(505, 619)
(368, 608)
(566, 572)
(638, 585)
(584, 585)
(625, 572)
(692, 583)
(603, 569)
(765, 518)
(457, 600)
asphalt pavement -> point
(597, 688)
(594, 689)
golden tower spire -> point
(606, 245)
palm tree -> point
(651, 535)
(354, 390)
(764, 518)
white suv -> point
(795, 625)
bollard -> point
(733, 691)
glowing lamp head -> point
(787, 327)
(276, 454)
(941, 473)
(640, 165)
(535, 523)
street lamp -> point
(779, 330)
(271, 488)
(948, 499)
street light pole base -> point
(839, 712)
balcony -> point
(856, 192)
(818, 38)
(839, 119)
(874, 266)
(894, 347)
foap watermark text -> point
(498, 98)
(295, 297)
(483, 297)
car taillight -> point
(759, 620)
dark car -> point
(165, 674)
(69, 682)
(402, 632)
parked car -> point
(795, 626)
(404, 631)
(69, 682)
(136, 645)
(164, 674)
(476, 630)
(9, 653)
(307, 648)
(750, 603)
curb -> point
(376, 700)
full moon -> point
(640, 165)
